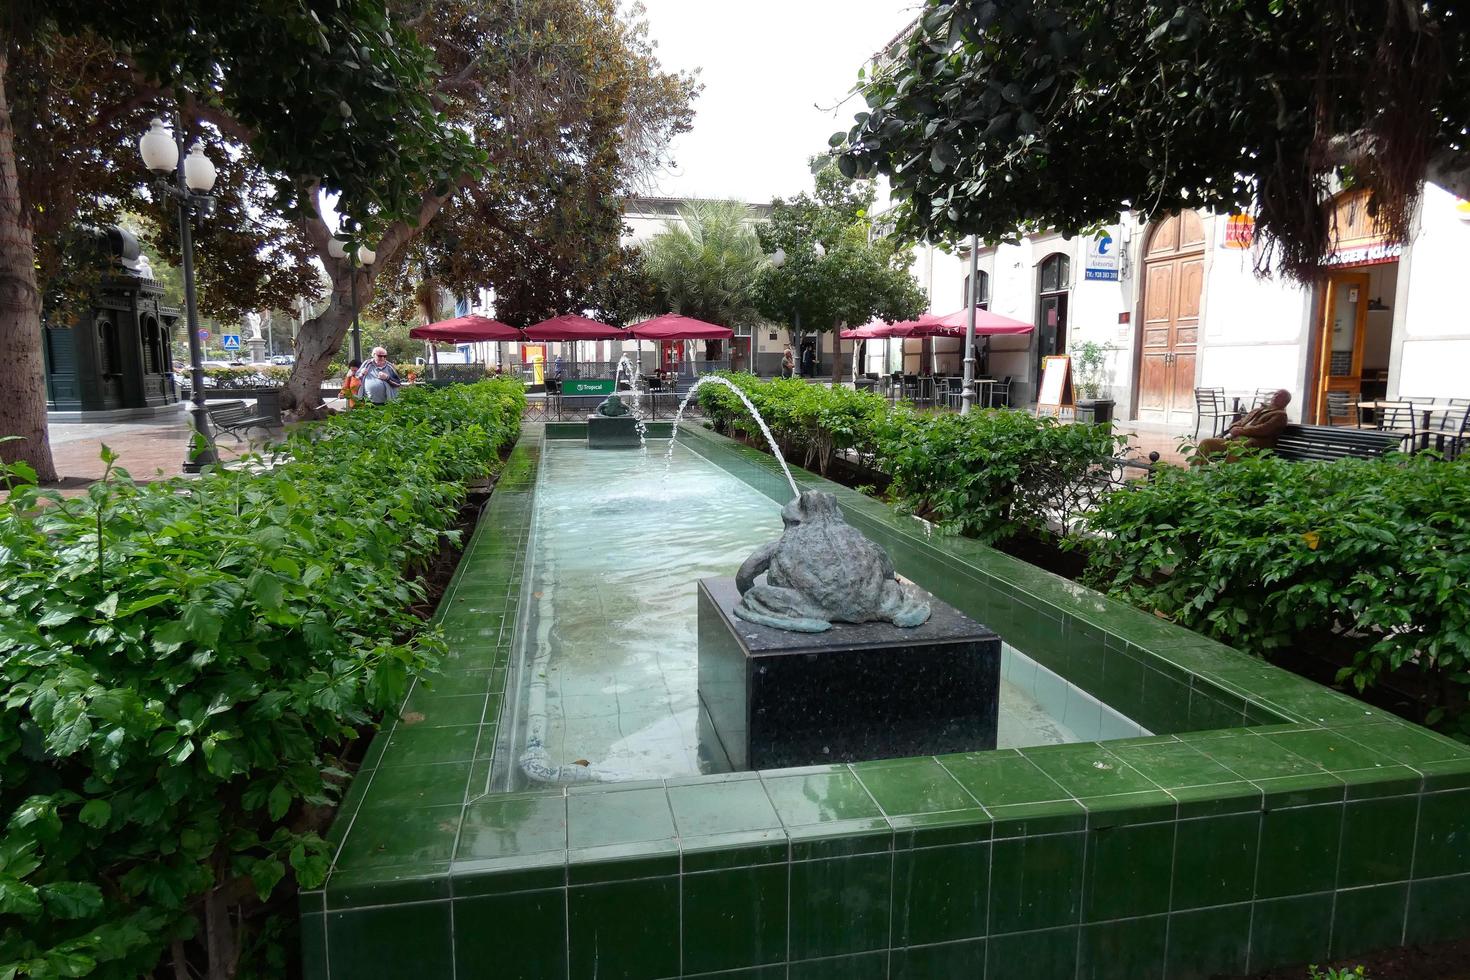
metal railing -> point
(654, 406)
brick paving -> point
(148, 450)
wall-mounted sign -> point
(1240, 232)
(1125, 317)
(1357, 238)
(1102, 259)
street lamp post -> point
(967, 393)
(162, 152)
(364, 257)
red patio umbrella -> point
(672, 326)
(986, 323)
(465, 330)
(569, 326)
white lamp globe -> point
(199, 170)
(365, 255)
(160, 152)
(819, 249)
(778, 257)
(337, 248)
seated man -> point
(1258, 428)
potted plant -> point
(1088, 361)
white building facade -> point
(1180, 306)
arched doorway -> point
(1053, 287)
(1173, 285)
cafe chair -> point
(1209, 403)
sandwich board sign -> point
(230, 341)
(1055, 395)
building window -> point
(983, 300)
(1056, 273)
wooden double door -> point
(1173, 287)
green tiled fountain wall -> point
(1275, 822)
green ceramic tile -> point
(721, 807)
(1087, 770)
(624, 930)
(740, 849)
(1288, 931)
(511, 937)
(1367, 919)
(379, 884)
(1035, 882)
(734, 918)
(1437, 910)
(1215, 860)
(1254, 756)
(618, 817)
(939, 894)
(1128, 870)
(1407, 743)
(538, 871)
(456, 684)
(1331, 751)
(1086, 656)
(965, 959)
(1004, 777)
(840, 906)
(1207, 943)
(912, 786)
(424, 746)
(409, 786)
(1172, 764)
(1125, 809)
(1050, 954)
(841, 838)
(512, 824)
(938, 829)
(1031, 819)
(620, 862)
(392, 941)
(440, 712)
(314, 946)
(1444, 775)
(1129, 949)
(1377, 841)
(1394, 780)
(400, 835)
(869, 966)
(819, 797)
(1299, 849)
(1444, 834)
(1303, 790)
(1164, 706)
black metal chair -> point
(1209, 403)
(1450, 430)
(1402, 419)
(1002, 390)
(1263, 395)
(1340, 406)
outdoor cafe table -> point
(1425, 413)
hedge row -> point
(183, 661)
(993, 474)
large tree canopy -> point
(998, 118)
(855, 276)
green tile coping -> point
(570, 431)
(1316, 748)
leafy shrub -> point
(254, 376)
(184, 661)
(1363, 561)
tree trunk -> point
(836, 354)
(319, 341)
(23, 409)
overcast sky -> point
(773, 70)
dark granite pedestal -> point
(774, 699)
(612, 432)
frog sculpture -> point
(821, 571)
(612, 407)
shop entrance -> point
(1054, 283)
(1173, 286)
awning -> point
(465, 330)
(569, 326)
(872, 330)
(987, 324)
(672, 326)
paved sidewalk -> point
(148, 450)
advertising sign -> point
(587, 386)
(1240, 232)
(1102, 259)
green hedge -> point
(183, 661)
(993, 474)
(1366, 562)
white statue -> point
(252, 320)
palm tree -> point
(707, 265)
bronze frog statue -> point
(612, 407)
(822, 570)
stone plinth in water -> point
(612, 432)
(775, 698)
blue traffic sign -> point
(230, 341)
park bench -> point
(1328, 442)
(236, 417)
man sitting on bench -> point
(1259, 428)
